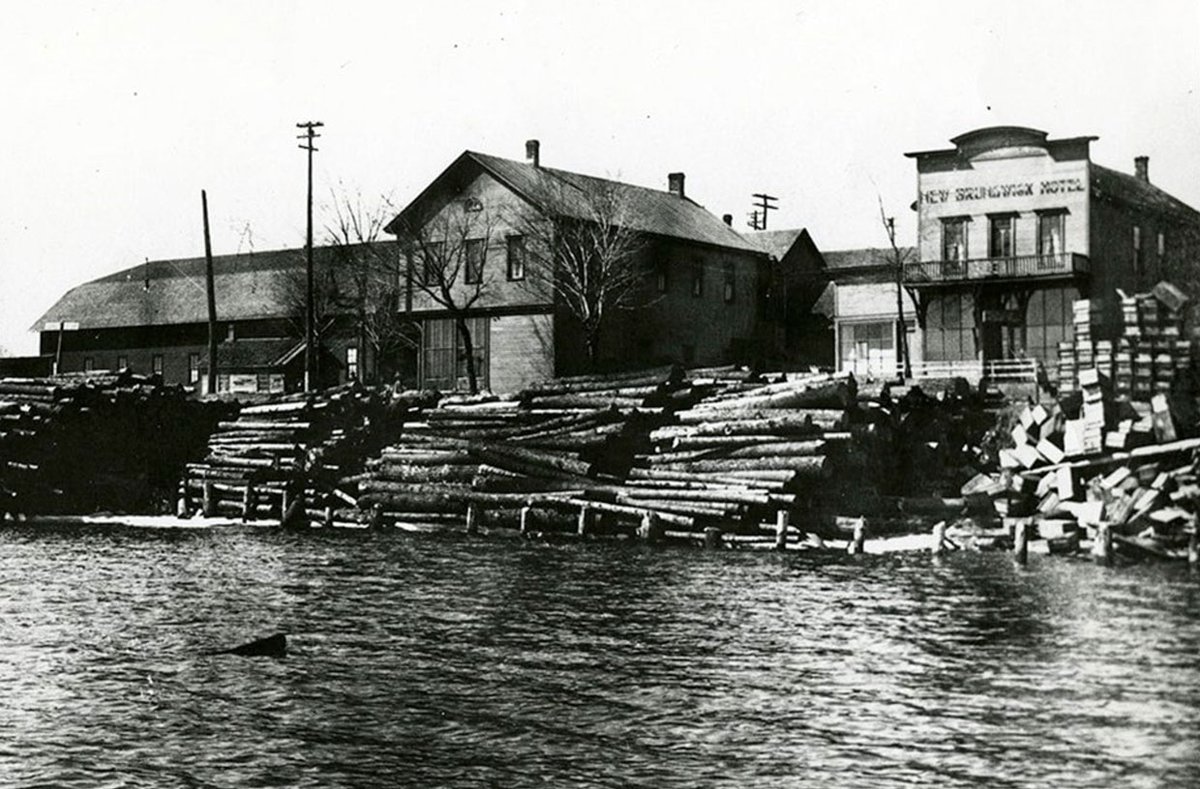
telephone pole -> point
(765, 204)
(210, 386)
(310, 351)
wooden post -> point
(183, 507)
(208, 504)
(1102, 545)
(782, 519)
(328, 515)
(937, 545)
(284, 500)
(526, 513)
(472, 519)
(210, 386)
(714, 538)
(248, 502)
(1194, 546)
(376, 516)
(860, 535)
(650, 529)
(585, 521)
(1021, 541)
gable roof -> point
(775, 243)
(1137, 193)
(166, 292)
(850, 260)
(565, 193)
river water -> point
(441, 661)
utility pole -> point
(903, 364)
(210, 386)
(765, 203)
(310, 351)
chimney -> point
(533, 152)
(675, 184)
(1141, 168)
(727, 219)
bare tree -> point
(448, 255)
(897, 258)
(588, 259)
(369, 271)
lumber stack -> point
(1146, 356)
(260, 462)
(87, 442)
(1113, 452)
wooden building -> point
(798, 278)
(860, 301)
(700, 300)
(1014, 226)
(153, 318)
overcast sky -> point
(116, 114)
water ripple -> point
(428, 661)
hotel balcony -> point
(1019, 267)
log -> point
(777, 426)
(250, 424)
(810, 467)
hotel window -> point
(1051, 226)
(87, 364)
(352, 363)
(193, 368)
(475, 252)
(728, 283)
(954, 239)
(1162, 245)
(156, 364)
(697, 279)
(1000, 237)
(660, 277)
(122, 362)
(516, 257)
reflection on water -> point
(452, 662)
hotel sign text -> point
(1020, 189)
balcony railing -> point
(1064, 264)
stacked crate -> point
(1152, 348)
(1145, 358)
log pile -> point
(82, 443)
(280, 458)
(519, 460)
(714, 455)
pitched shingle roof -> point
(565, 193)
(163, 292)
(775, 243)
(1133, 191)
(873, 257)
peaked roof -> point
(775, 243)
(848, 260)
(566, 193)
(1129, 189)
(164, 292)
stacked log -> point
(518, 459)
(281, 459)
(89, 442)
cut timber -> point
(811, 467)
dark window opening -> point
(516, 257)
(476, 252)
